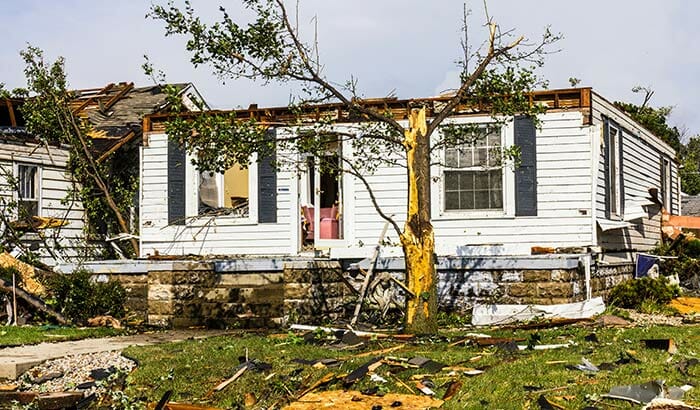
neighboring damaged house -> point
(582, 183)
(50, 219)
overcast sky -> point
(408, 46)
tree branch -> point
(354, 172)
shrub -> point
(635, 293)
(79, 298)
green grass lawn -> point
(27, 335)
(192, 368)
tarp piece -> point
(483, 315)
(643, 264)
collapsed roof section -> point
(115, 112)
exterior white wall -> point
(222, 235)
(564, 216)
(55, 184)
(564, 196)
(641, 170)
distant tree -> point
(653, 119)
(268, 48)
(656, 121)
(690, 167)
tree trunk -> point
(417, 238)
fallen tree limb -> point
(32, 301)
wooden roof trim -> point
(571, 98)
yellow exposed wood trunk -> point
(417, 238)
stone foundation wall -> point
(315, 292)
(606, 277)
(199, 296)
(458, 290)
(311, 291)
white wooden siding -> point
(641, 170)
(564, 195)
(209, 235)
(55, 184)
(563, 200)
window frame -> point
(38, 182)
(439, 210)
(192, 195)
(615, 178)
(666, 183)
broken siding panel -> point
(640, 171)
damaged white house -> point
(582, 183)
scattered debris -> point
(254, 365)
(42, 401)
(426, 364)
(483, 315)
(586, 366)
(667, 404)
(664, 344)
(452, 389)
(355, 400)
(182, 406)
(545, 347)
(361, 371)
(250, 399)
(546, 324)
(32, 301)
(336, 330)
(686, 305)
(104, 321)
(684, 365)
(638, 393)
(546, 404)
(421, 385)
(612, 321)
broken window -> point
(226, 194)
(473, 174)
(28, 190)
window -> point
(666, 183)
(227, 193)
(473, 174)
(28, 190)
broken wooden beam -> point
(32, 301)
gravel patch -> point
(644, 319)
(88, 373)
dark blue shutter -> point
(606, 166)
(526, 173)
(176, 183)
(267, 184)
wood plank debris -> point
(32, 301)
(355, 400)
(368, 276)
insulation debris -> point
(485, 315)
